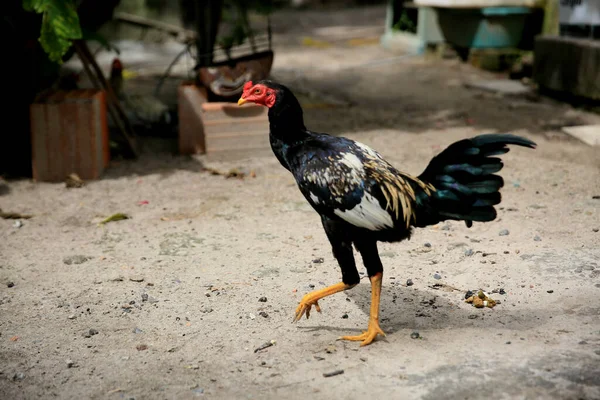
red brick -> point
(191, 128)
(69, 134)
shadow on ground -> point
(411, 308)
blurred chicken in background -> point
(142, 109)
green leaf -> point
(60, 25)
(91, 36)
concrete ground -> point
(173, 302)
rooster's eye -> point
(257, 91)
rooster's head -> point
(263, 93)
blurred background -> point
(157, 71)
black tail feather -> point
(463, 175)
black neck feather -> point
(285, 116)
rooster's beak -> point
(242, 101)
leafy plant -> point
(405, 23)
(60, 25)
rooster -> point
(362, 199)
(141, 109)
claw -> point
(367, 336)
(304, 308)
(312, 299)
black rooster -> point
(362, 199)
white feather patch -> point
(368, 150)
(367, 214)
(352, 161)
(314, 198)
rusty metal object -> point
(226, 78)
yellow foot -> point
(305, 305)
(312, 298)
(368, 336)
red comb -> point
(117, 64)
(248, 85)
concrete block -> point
(589, 134)
(568, 65)
(501, 86)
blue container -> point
(490, 27)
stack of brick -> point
(219, 127)
(69, 134)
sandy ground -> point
(167, 304)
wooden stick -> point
(114, 106)
(143, 22)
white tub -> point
(480, 3)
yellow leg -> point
(373, 330)
(312, 298)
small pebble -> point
(198, 391)
(136, 278)
(501, 291)
(550, 291)
(70, 363)
(18, 376)
(345, 316)
(537, 238)
(596, 230)
(72, 316)
(473, 316)
(93, 332)
(144, 296)
(427, 244)
(468, 252)
(10, 284)
(508, 342)
(141, 347)
(18, 224)
(137, 330)
(333, 373)
(415, 335)
(437, 276)
(409, 282)
(319, 260)
(263, 299)
(76, 259)
(263, 314)
(503, 232)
